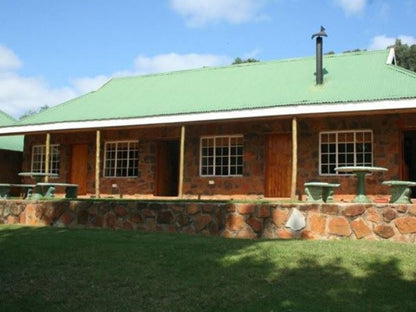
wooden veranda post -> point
(181, 162)
(47, 155)
(97, 163)
(294, 158)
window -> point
(221, 156)
(121, 159)
(345, 148)
(38, 158)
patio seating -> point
(5, 189)
(400, 191)
(318, 192)
(47, 189)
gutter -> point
(278, 111)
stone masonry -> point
(227, 219)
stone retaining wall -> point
(233, 220)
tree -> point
(34, 111)
(239, 60)
(405, 55)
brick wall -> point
(386, 131)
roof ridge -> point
(260, 63)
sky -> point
(55, 50)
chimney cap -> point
(321, 33)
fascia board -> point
(292, 110)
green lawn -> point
(50, 269)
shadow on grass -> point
(313, 286)
(47, 269)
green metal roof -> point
(13, 142)
(349, 77)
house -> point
(258, 129)
(11, 152)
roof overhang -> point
(280, 111)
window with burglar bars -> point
(221, 156)
(121, 159)
(345, 148)
(39, 155)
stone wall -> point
(231, 220)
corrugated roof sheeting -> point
(350, 77)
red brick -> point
(164, 217)
(12, 219)
(307, 235)
(202, 221)
(245, 208)
(389, 214)
(147, 213)
(402, 208)
(66, 218)
(227, 234)
(263, 211)
(127, 225)
(384, 231)
(406, 225)
(360, 228)
(279, 216)
(339, 226)
(317, 223)
(98, 221)
(330, 209)
(22, 218)
(353, 211)
(135, 218)
(255, 224)
(373, 215)
(231, 208)
(412, 210)
(120, 211)
(193, 209)
(245, 233)
(235, 222)
(285, 234)
(111, 221)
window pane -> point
(121, 159)
(222, 156)
(39, 157)
(351, 148)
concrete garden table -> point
(38, 176)
(360, 172)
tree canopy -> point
(239, 60)
(34, 111)
(405, 55)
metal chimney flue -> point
(319, 67)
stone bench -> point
(5, 189)
(400, 191)
(318, 192)
(47, 189)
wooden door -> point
(278, 165)
(167, 168)
(78, 171)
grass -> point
(50, 269)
